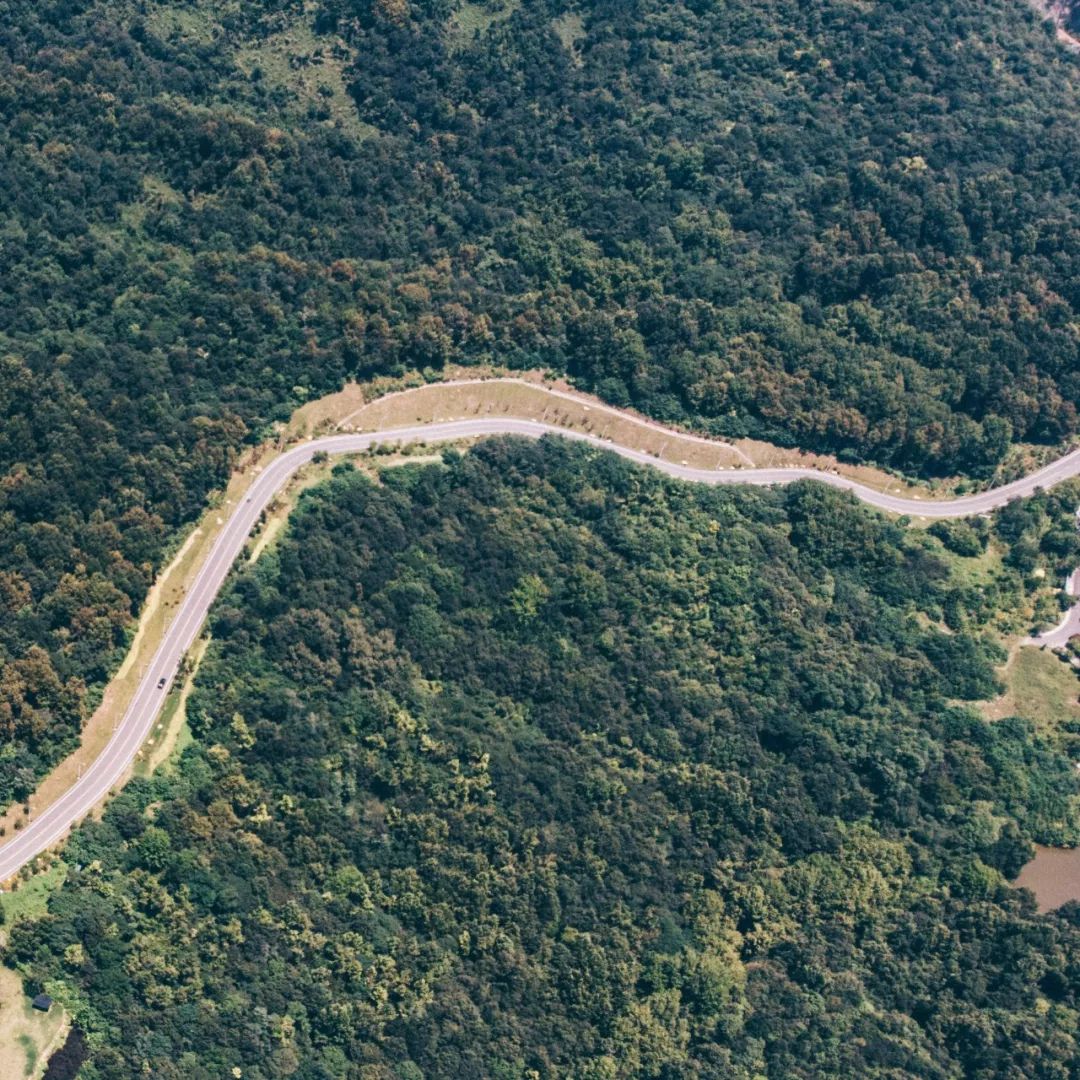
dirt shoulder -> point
(467, 393)
(157, 613)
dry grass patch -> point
(311, 69)
(324, 413)
(31, 899)
(448, 401)
(195, 22)
(305, 72)
(570, 29)
(1040, 688)
(27, 1037)
(531, 398)
(476, 18)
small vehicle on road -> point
(161, 683)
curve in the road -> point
(1069, 627)
(111, 765)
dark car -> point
(161, 683)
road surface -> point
(108, 770)
(1069, 627)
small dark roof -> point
(42, 1002)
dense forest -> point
(849, 227)
(537, 764)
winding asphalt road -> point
(1069, 627)
(108, 770)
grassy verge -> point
(471, 19)
(306, 72)
(311, 69)
(171, 733)
(30, 899)
(525, 395)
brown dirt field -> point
(324, 412)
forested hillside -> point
(540, 765)
(838, 225)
